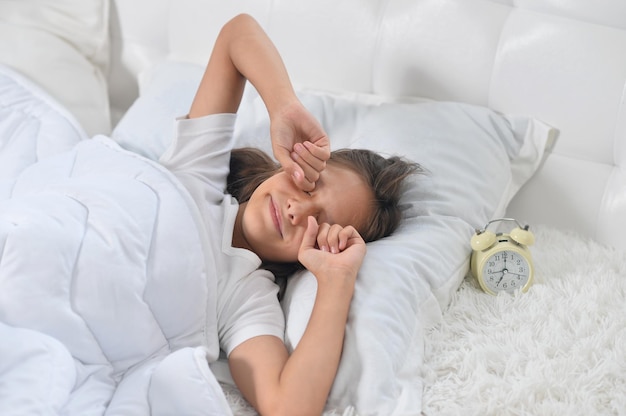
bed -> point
(516, 109)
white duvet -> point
(104, 296)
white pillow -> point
(63, 46)
(477, 160)
(33, 126)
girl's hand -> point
(331, 251)
(300, 144)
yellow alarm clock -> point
(502, 262)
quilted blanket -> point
(106, 300)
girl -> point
(313, 211)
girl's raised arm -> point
(243, 51)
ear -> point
(482, 240)
(522, 236)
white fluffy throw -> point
(559, 349)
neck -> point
(239, 239)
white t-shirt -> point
(247, 303)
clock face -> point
(506, 270)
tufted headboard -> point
(561, 62)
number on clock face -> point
(506, 271)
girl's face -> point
(273, 221)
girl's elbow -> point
(291, 408)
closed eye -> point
(319, 215)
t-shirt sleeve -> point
(252, 310)
(199, 155)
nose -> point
(299, 209)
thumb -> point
(310, 235)
(283, 156)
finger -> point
(333, 238)
(301, 180)
(283, 156)
(298, 176)
(319, 148)
(310, 174)
(310, 234)
(294, 170)
(346, 235)
(310, 154)
(322, 237)
(311, 170)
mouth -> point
(276, 217)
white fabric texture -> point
(49, 129)
(63, 46)
(476, 159)
(247, 305)
(90, 237)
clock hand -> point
(504, 271)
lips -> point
(276, 217)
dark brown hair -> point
(249, 167)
